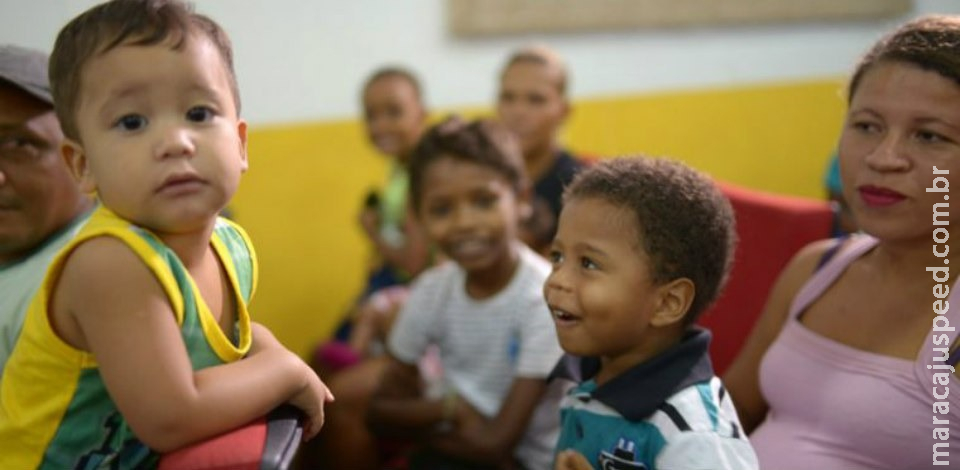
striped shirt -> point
(486, 344)
(668, 413)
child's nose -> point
(175, 141)
(464, 218)
(557, 280)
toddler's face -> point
(161, 142)
(600, 292)
(902, 122)
(393, 115)
(471, 212)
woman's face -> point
(901, 132)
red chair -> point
(771, 228)
(268, 443)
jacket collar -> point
(638, 392)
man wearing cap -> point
(41, 206)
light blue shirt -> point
(19, 281)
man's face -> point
(38, 196)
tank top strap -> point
(850, 249)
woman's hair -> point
(930, 42)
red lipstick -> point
(876, 196)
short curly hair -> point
(483, 142)
(685, 224)
(931, 42)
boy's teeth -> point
(561, 314)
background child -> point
(133, 343)
(483, 309)
(533, 104)
(395, 117)
(643, 247)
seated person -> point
(394, 116)
(41, 206)
(642, 249)
(849, 366)
(139, 340)
(533, 104)
(483, 309)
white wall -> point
(303, 60)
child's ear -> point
(675, 298)
(76, 160)
(242, 133)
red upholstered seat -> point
(771, 228)
(266, 444)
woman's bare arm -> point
(742, 378)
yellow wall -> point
(300, 199)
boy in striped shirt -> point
(643, 247)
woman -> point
(848, 367)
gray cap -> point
(26, 69)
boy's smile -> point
(471, 212)
(601, 293)
(160, 139)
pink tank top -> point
(835, 407)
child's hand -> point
(572, 460)
(370, 221)
(311, 400)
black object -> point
(284, 433)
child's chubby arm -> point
(108, 302)
(312, 397)
(492, 441)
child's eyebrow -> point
(587, 247)
(203, 90)
(115, 97)
(129, 90)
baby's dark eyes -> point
(131, 122)
(200, 114)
